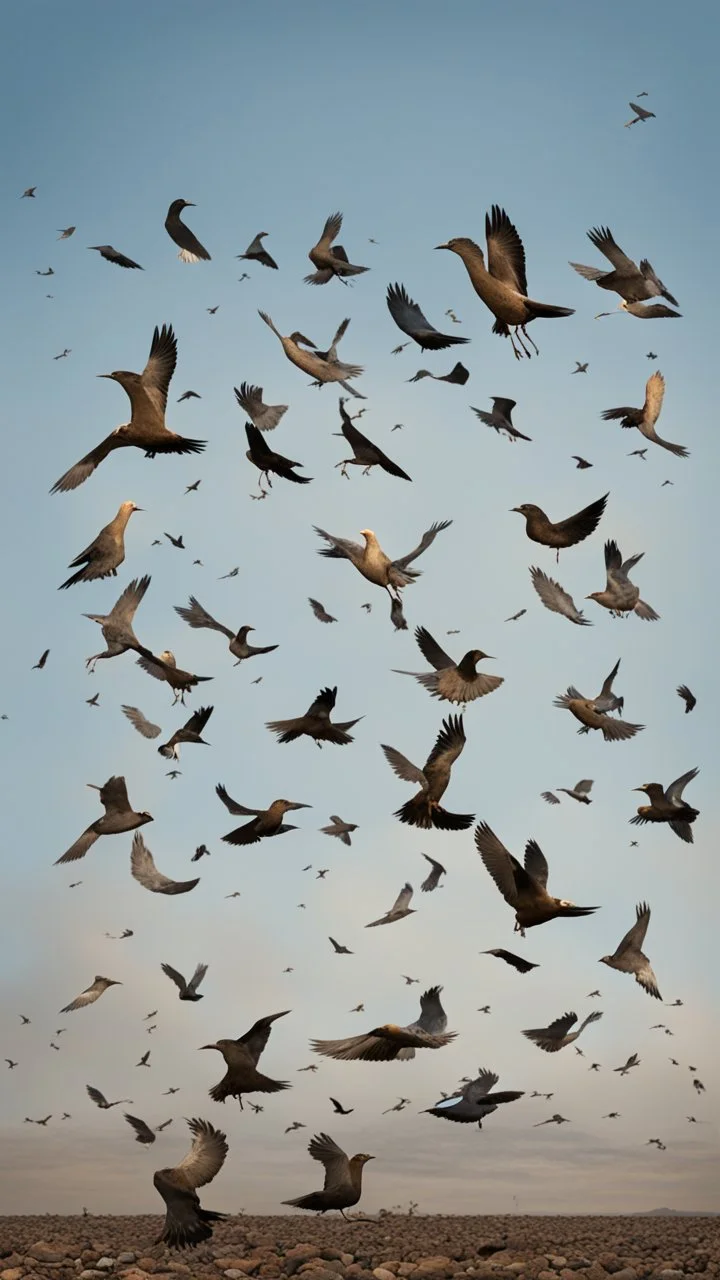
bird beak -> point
(189, 204)
(207, 1046)
(437, 246)
(103, 375)
(297, 805)
(516, 509)
(600, 314)
(638, 788)
(138, 508)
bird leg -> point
(522, 344)
(519, 929)
(90, 663)
(527, 335)
(516, 353)
(343, 467)
(366, 470)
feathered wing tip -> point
(180, 1235)
(312, 1201)
(416, 813)
(287, 730)
(646, 612)
(444, 821)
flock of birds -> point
(497, 274)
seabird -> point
(191, 249)
(342, 1187)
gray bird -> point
(667, 805)
(42, 660)
(191, 731)
(331, 260)
(321, 371)
(199, 619)
(475, 1101)
(118, 818)
(655, 311)
(143, 869)
(556, 1119)
(66, 232)
(92, 993)
(458, 376)
(501, 418)
(424, 809)
(164, 667)
(580, 368)
(646, 417)
(117, 626)
(190, 247)
(265, 822)
(390, 1043)
(266, 460)
(315, 723)
(264, 416)
(432, 881)
(320, 611)
(523, 887)
(557, 1035)
(549, 798)
(146, 430)
(241, 1059)
(365, 454)
(633, 1061)
(514, 617)
(143, 1132)
(688, 698)
(139, 722)
(189, 395)
(605, 701)
(580, 791)
(556, 598)
(339, 949)
(343, 830)
(621, 596)
(106, 553)
(517, 962)
(459, 683)
(628, 956)
(342, 1186)
(331, 355)
(256, 253)
(632, 283)
(186, 1223)
(101, 1101)
(641, 115)
(28, 193)
(400, 908)
(187, 990)
(372, 562)
(410, 319)
(107, 252)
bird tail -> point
(548, 312)
(418, 813)
(287, 730)
(678, 449)
(312, 1201)
(80, 575)
(179, 1233)
(646, 612)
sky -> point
(413, 121)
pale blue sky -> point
(413, 120)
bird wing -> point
(555, 598)
(340, 548)
(199, 618)
(427, 539)
(114, 796)
(249, 398)
(143, 869)
(688, 698)
(257, 442)
(654, 395)
(174, 976)
(431, 650)
(160, 366)
(449, 743)
(583, 786)
(198, 720)
(206, 1155)
(477, 1088)
(332, 1158)
(583, 522)
(506, 255)
(635, 936)
(433, 1017)
(126, 605)
(606, 690)
(143, 1131)
(536, 863)
(257, 1037)
(406, 313)
(363, 1048)
(331, 228)
(404, 768)
(232, 806)
(676, 788)
(323, 704)
(603, 240)
(523, 966)
(85, 467)
(98, 1098)
(549, 797)
(403, 899)
(500, 863)
(138, 721)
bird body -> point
(646, 417)
(475, 1101)
(459, 683)
(343, 830)
(331, 261)
(186, 1223)
(390, 1043)
(266, 460)
(632, 283)
(241, 1059)
(118, 818)
(264, 822)
(586, 711)
(523, 887)
(190, 732)
(580, 791)
(565, 533)
(372, 562)
(667, 805)
(424, 809)
(110, 254)
(117, 626)
(342, 1186)
(164, 667)
(190, 247)
(106, 552)
(315, 723)
(97, 988)
(621, 595)
(628, 956)
(199, 618)
(558, 1035)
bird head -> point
(130, 507)
(605, 960)
(367, 534)
(361, 1158)
(644, 787)
(526, 509)
(389, 1029)
(477, 655)
(109, 982)
(183, 204)
(217, 1046)
(123, 376)
(461, 245)
(146, 817)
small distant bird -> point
(688, 698)
(145, 1059)
(582, 463)
(107, 252)
(189, 395)
(523, 887)
(400, 908)
(698, 1086)
(556, 1119)
(266, 461)
(169, 1091)
(629, 957)
(233, 895)
(191, 731)
(264, 416)
(475, 1101)
(29, 193)
(409, 982)
(514, 617)
(187, 990)
(640, 115)
(580, 791)
(433, 879)
(331, 260)
(342, 1187)
(646, 417)
(91, 993)
(49, 272)
(118, 818)
(94, 701)
(410, 319)
(105, 554)
(366, 454)
(458, 376)
(638, 453)
(241, 1059)
(668, 806)
(359, 1008)
(164, 667)
(190, 247)
(320, 611)
(343, 830)
(459, 683)
(424, 809)
(66, 232)
(42, 660)
(556, 598)
(296, 1124)
(400, 1105)
(143, 1132)
(63, 354)
(339, 1109)
(256, 253)
(580, 368)
(501, 418)
(186, 1223)
(517, 962)
(633, 1061)
(339, 949)
(390, 1043)
(484, 1008)
(10, 1063)
(312, 1066)
(651, 355)
(565, 533)
(612, 1115)
(396, 350)
(557, 1035)
(143, 869)
(101, 1101)
(25, 1022)
(177, 542)
(202, 851)
(315, 723)
(211, 310)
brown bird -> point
(265, 822)
(566, 533)
(146, 430)
(118, 818)
(555, 1037)
(633, 283)
(667, 805)
(644, 419)
(320, 611)
(42, 660)
(190, 247)
(256, 253)
(524, 888)
(186, 1223)
(424, 809)
(321, 371)
(315, 723)
(342, 1187)
(265, 416)
(372, 562)
(116, 625)
(410, 319)
(101, 1101)
(241, 1059)
(190, 732)
(143, 869)
(628, 956)
(343, 830)
(458, 375)
(365, 454)
(266, 460)
(585, 710)
(143, 1132)
(517, 962)
(105, 553)
(460, 683)
(688, 698)
(502, 285)
(331, 260)
(164, 667)
(92, 993)
(391, 1043)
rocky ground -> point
(386, 1248)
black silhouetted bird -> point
(190, 247)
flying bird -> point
(264, 822)
(688, 698)
(501, 418)
(92, 993)
(321, 371)
(400, 908)
(104, 555)
(667, 805)
(565, 533)
(372, 562)
(343, 830)
(640, 115)
(187, 990)
(424, 809)
(143, 869)
(365, 454)
(459, 683)
(475, 1101)
(342, 1186)
(266, 461)
(331, 260)
(582, 463)
(458, 375)
(339, 949)
(118, 818)
(191, 731)
(558, 1035)
(433, 879)
(621, 596)
(556, 1119)
(410, 319)
(315, 723)
(632, 283)
(42, 660)
(256, 253)
(521, 612)
(580, 368)
(107, 252)
(390, 1043)
(656, 311)
(198, 618)
(190, 247)
(241, 1059)
(646, 417)
(28, 193)
(264, 416)
(189, 395)
(164, 667)
(116, 626)
(523, 887)
(580, 791)
(320, 611)
(517, 962)
(186, 1223)
(628, 956)
(339, 1109)
(633, 1061)
(143, 1132)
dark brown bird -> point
(339, 1109)
(557, 1035)
(190, 247)
(318, 609)
(457, 375)
(339, 949)
(105, 553)
(265, 822)
(143, 1132)
(146, 430)
(266, 460)
(365, 453)
(342, 1187)
(107, 252)
(117, 626)
(241, 1059)
(186, 1223)
(199, 619)
(410, 319)
(256, 253)
(331, 260)
(164, 667)
(582, 463)
(189, 395)
(517, 962)
(42, 660)
(524, 888)
(315, 723)
(424, 809)
(187, 990)
(118, 818)
(688, 698)
(101, 1101)
(390, 1043)
(343, 830)
(191, 731)
(460, 683)
(566, 533)
(667, 805)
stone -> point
(12, 1273)
(105, 1264)
(558, 1263)
(146, 1264)
(126, 1256)
(42, 1252)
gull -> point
(143, 869)
(190, 732)
(256, 253)
(66, 232)
(190, 247)
(339, 1109)
(668, 806)
(212, 310)
(621, 596)
(580, 791)
(116, 626)
(92, 993)
(517, 962)
(633, 1061)
(459, 683)
(342, 1186)
(502, 284)
(331, 261)
(640, 115)
(264, 416)
(241, 1059)
(320, 611)
(424, 809)
(501, 418)
(139, 722)
(187, 990)
(514, 617)
(10, 1063)
(400, 908)
(409, 981)
(366, 454)
(49, 272)
(628, 956)
(372, 562)
(189, 395)
(433, 879)
(410, 319)
(315, 723)
(343, 830)
(118, 818)
(186, 1223)
(63, 354)
(266, 460)
(110, 254)
(556, 1119)
(524, 888)
(391, 1043)
(564, 533)
(296, 1124)
(458, 376)
(646, 417)
(340, 950)
(396, 350)
(105, 554)
(145, 1060)
(633, 284)
(42, 660)
(557, 1035)
(580, 368)
(475, 1101)
(164, 667)
(146, 430)
(143, 1132)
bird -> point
(475, 1101)
(339, 949)
(118, 818)
(331, 355)
(40, 1122)
(241, 1059)
(42, 660)
(458, 376)
(656, 311)
(315, 723)
(177, 542)
(556, 598)
(400, 908)
(28, 193)
(296, 1124)
(201, 851)
(266, 460)
(359, 1008)
(198, 618)
(400, 1105)
(517, 962)
(638, 453)
(409, 982)
(459, 683)
(146, 430)
(10, 1063)
(365, 454)
(66, 232)
(144, 1060)
(500, 418)
(651, 355)
(265, 822)
(410, 319)
(667, 805)
(688, 698)
(502, 284)
(524, 888)
(164, 667)
(49, 272)
(143, 1132)
(190, 732)
(556, 1119)
(698, 1086)
(186, 1223)
(632, 283)
(633, 1061)
(343, 830)
(372, 562)
(101, 1101)
(256, 253)
(557, 1035)
(586, 711)
(321, 371)
(621, 596)
(339, 1109)
(640, 115)
(520, 612)
(104, 555)
(116, 626)
(144, 727)
(331, 261)
(320, 611)
(582, 463)
(391, 1043)
(264, 416)
(580, 368)
(189, 395)
(212, 310)
(566, 533)
(628, 956)
(63, 354)
(485, 1009)
(424, 809)
(254, 1106)
(92, 993)
(432, 881)
(342, 1187)
(612, 1115)
(580, 791)
(110, 254)
(25, 1022)
(646, 417)
(143, 869)
(187, 990)
(190, 247)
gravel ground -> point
(428, 1248)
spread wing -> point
(79, 473)
(582, 523)
(654, 395)
(536, 863)
(114, 796)
(257, 1037)
(340, 548)
(449, 743)
(232, 805)
(676, 788)
(603, 240)
(403, 767)
(584, 786)
(406, 313)
(555, 598)
(357, 1048)
(431, 650)
(126, 605)
(433, 1017)
(549, 797)
(206, 1156)
(506, 256)
(143, 869)
(323, 704)
(160, 366)
(138, 721)
(499, 862)
(403, 899)
(486, 1080)
(550, 1038)
(427, 539)
(174, 976)
(606, 690)
(198, 618)
(143, 1131)
(98, 1098)
(333, 1159)
(635, 936)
